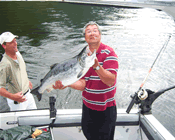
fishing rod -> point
(136, 94)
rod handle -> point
(131, 103)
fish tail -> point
(35, 92)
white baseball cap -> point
(7, 37)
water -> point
(50, 32)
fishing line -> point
(135, 96)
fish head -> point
(87, 58)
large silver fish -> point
(68, 72)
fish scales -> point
(67, 72)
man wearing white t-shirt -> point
(13, 76)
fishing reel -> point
(145, 99)
(142, 94)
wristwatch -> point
(97, 68)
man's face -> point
(11, 46)
(92, 34)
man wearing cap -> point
(13, 76)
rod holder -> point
(53, 110)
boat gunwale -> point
(72, 118)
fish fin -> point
(49, 89)
(35, 92)
(82, 50)
(80, 74)
(52, 66)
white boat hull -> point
(68, 124)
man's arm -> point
(16, 97)
(79, 85)
(30, 85)
(106, 77)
